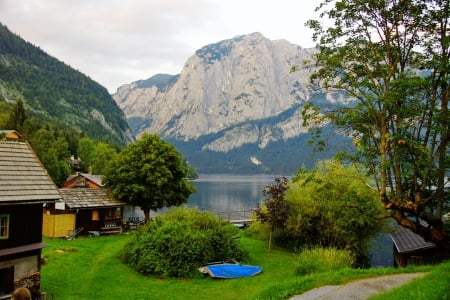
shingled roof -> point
(79, 198)
(407, 241)
(23, 178)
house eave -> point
(22, 249)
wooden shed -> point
(94, 211)
(25, 187)
(412, 249)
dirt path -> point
(359, 289)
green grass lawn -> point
(90, 268)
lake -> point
(229, 193)
(224, 193)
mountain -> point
(58, 92)
(235, 107)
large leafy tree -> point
(334, 206)
(392, 57)
(150, 174)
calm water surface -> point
(224, 193)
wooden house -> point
(83, 180)
(25, 187)
(88, 211)
(412, 249)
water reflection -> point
(224, 193)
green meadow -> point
(90, 268)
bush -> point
(318, 260)
(177, 243)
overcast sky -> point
(116, 42)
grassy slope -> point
(90, 269)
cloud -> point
(117, 42)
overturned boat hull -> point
(230, 270)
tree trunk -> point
(270, 238)
(146, 214)
(431, 234)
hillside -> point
(56, 91)
(235, 108)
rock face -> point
(232, 98)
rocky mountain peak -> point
(230, 94)
(222, 84)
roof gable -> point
(22, 175)
(80, 179)
(79, 198)
(407, 241)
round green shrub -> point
(178, 242)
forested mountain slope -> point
(55, 90)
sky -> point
(116, 42)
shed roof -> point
(407, 241)
(23, 178)
(80, 198)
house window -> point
(4, 226)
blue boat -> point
(230, 270)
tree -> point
(150, 174)
(17, 116)
(86, 149)
(392, 58)
(275, 209)
(53, 152)
(334, 206)
(103, 153)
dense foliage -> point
(149, 173)
(57, 91)
(392, 57)
(180, 241)
(57, 146)
(332, 206)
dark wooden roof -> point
(79, 198)
(407, 241)
(23, 178)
